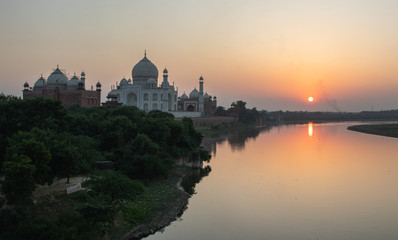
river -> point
(308, 181)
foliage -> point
(24, 144)
(18, 183)
(22, 115)
(115, 185)
(40, 140)
(141, 159)
(246, 116)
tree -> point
(144, 159)
(117, 131)
(23, 115)
(220, 111)
(115, 184)
(24, 144)
(65, 158)
(19, 181)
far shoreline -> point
(386, 130)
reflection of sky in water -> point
(283, 184)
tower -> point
(165, 83)
(201, 85)
(83, 79)
(201, 100)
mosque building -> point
(145, 93)
(68, 91)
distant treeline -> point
(244, 115)
(291, 116)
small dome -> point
(98, 85)
(201, 78)
(194, 94)
(184, 96)
(123, 82)
(145, 69)
(111, 95)
(83, 74)
(26, 84)
(39, 83)
(165, 71)
(73, 82)
(57, 78)
(129, 81)
(151, 81)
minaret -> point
(83, 79)
(165, 82)
(201, 85)
(201, 102)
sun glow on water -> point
(310, 129)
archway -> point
(131, 99)
(191, 108)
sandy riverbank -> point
(387, 130)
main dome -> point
(57, 77)
(144, 70)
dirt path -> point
(46, 192)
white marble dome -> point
(145, 69)
(123, 82)
(57, 78)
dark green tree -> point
(143, 158)
(19, 181)
(23, 144)
(22, 115)
(117, 131)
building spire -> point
(145, 53)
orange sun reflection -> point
(310, 129)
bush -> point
(115, 185)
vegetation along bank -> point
(41, 141)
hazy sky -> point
(271, 54)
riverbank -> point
(387, 130)
(171, 203)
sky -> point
(272, 54)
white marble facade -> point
(144, 92)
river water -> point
(309, 181)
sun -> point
(310, 99)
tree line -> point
(40, 140)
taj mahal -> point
(145, 93)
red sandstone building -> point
(69, 92)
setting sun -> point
(310, 99)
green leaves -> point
(115, 185)
(18, 183)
